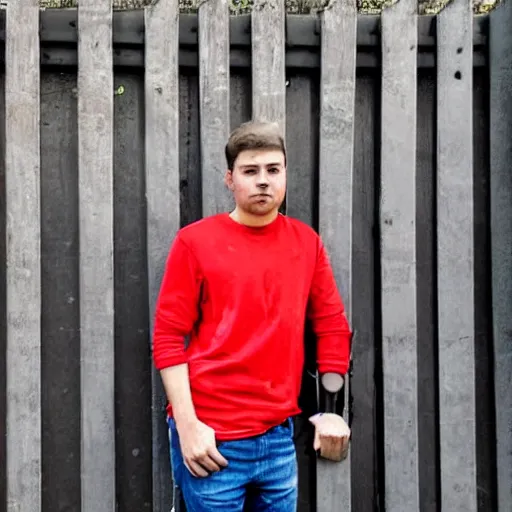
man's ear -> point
(228, 179)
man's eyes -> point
(272, 170)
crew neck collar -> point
(257, 230)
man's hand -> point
(199, 450)
(332, 436)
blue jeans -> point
(261, 475)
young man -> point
(240, 285)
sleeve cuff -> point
(333, 354)
(166, 362)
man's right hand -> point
(199, 449)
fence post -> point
(500, 52)
(455, 257)
(23, 256)
(214, 102)
(337, 106)
(96, 205)
(163, 199)
(268, 61)
(398, 253)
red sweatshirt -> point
(242, 294)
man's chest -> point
(257, 267)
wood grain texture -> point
(337, 106)
(398, 253)
(163, 199)
(95, 155)
(3, 311)
(268, 61)
(23, 256)
(455, 257)
(60, 308)
(214, 103)
(302, 146)
(189, 144)
(426, 293)
(365, 253)
(501, 240)
(133, 364)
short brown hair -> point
(253, 135)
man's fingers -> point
(189, 469)
(196, 469)
(217, 457)
(211, 462)
(208, 463)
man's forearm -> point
(177, 388)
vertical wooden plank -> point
(214, 103)
(60, 308)
(337, 106)
(240, 97)
(501, 239)
(398, 253)
(95, 169)
(426, 248)
(133, 364)
(268, 61)
(3, 319)
(302, 146)
(364, 316)
(190, 159)
(163, 198)
(23, 258)
(485, 427)
(455, 257)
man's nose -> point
(262, 180)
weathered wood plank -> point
(426, 294)
(190, 158)
(23, 256)
(500, 52)
(268, 61)
(302, 147)
(455, 258)
(485, 426)
(133, 366)
(364, 449)
(398, 247)
(3, 311)
(302, 173)
(337, 106)
(214, 103)
(60, 307)
(95, 156)
(240, 97)
(163, 199)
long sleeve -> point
(327, 315)
(177, 306)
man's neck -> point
(253, 220)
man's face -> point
(258, 181)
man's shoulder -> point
(301, 228)
(197, 230)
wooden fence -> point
(399, 131)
